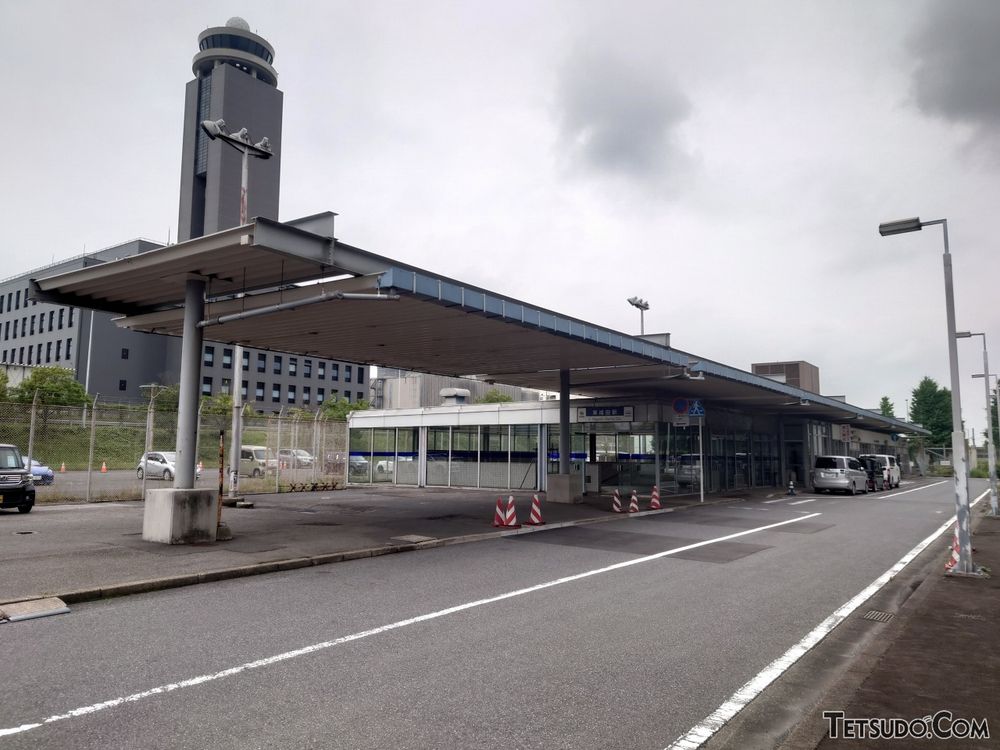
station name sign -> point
(604, 414)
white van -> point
(256, 461)
(891, 472)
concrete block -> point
(563, 488)
(176, 516)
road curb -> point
(293, 563)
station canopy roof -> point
(292, 287)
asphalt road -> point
(583, 637)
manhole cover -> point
(878, 616)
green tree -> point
(886, 408)
(55, 386)
(338, 409)
(493, 396)
(221, 403)
(930, 406)
(3, 385)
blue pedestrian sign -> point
(696, 409)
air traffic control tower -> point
(234, 81)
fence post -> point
(93, 435)
(315, 444)
(277, 453)
(31, 428)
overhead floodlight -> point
(639, 303)
(214, 128)
(900, 227)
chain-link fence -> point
(96, 453)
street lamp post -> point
(217, 129)
(642, 305)
(990, 447)
(962, 513)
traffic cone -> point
(535, 518)
(498, 517)
(654, 499)
(104, 467)
(633, 505)
(616, 502)
(510, 516)
(62, 468)
(955, 553)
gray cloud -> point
(957, 76)
(621, 119)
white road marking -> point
(268, 661)
(915, 489)
(799, 502)
(712, 723)
(779, 500)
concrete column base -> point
(563, 489)
(176, 516)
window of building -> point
(258, 393)
(24, 327)
(62, 311)
(246, 361)
(70, 323)
(347, 373)
(31, 348)
(361, 376)
(227, 359)
(206, 385)
(293, 366)
(306, 394)
(69, 348)
(361, 396)
(6, 330)
(48, 351)
(20, 356)
(1, 303)
(334, 394)
(52, 318)
(307, 368)
(58, 350)
(321, 370)
(320, 395)
(277, 364)
(122, 385)
(41, 322)
(347, 396)
(334, 371)
(124, 353)
(31, 327)
(276, 393)
(226, 387)
(209, 358)
(291, 393)
(243, 390)
(9, 308)
(17, 300)
(261, 362)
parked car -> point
(41, 473)
(17, 487)
(841, 473)
(892, 471)
(878, 476)
(295, 458)
(256, 461)
(160, 465)
(358, 466)
(688, 470)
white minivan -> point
(891, 472)
(256, 461)
(841, 473)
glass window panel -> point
(464, 456)
(437, 456)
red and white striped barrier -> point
(616, 502)
(955, 552)
(633, 504)
(535, 517)
(654, 500)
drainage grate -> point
(878, 616)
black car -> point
(17, 488)
(876, 473)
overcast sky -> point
(729, 162)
